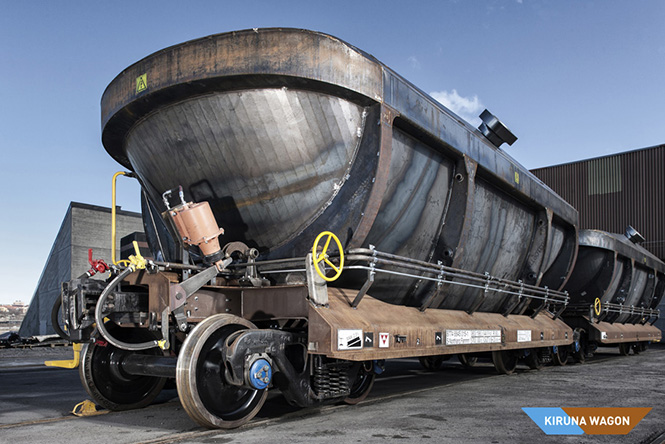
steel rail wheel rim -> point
(204, 395)
(466, 360)
(361, 386)
(103, 378)
(431, 363)
(505, 362)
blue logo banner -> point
(553, 421)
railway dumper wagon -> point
(615, 289)
(310, 214)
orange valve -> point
(323, 256)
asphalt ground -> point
(407, 404)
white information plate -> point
(523, 335)
(460, 337)
(349, 339)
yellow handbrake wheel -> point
(597, 306)
(322, 256)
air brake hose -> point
(99, 318)
(54, 319)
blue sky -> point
(572, 79)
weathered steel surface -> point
(613, 269)
(606, 333)
(419, 329)
(290, 132)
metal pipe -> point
(551, 297)
(113, 225)
(99, 318)
(177, 266)
(149, 365)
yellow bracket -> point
(87, 408)
(323, 256)
(136, 261)
(74, 363)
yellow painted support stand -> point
(87, 408)
(74, 363)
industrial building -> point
(612, 192)
(84, 226)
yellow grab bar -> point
(113, 226)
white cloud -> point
(468, 108)
(415, 63)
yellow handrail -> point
(113, 226)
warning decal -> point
(523, 335)
(349, 339)
(384, 340)
(141, 83)
(369, 339)
(459, 337)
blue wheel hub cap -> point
(260, 374)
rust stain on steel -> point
(158, 289)
(297, 187)
(618, 333)
(419, 328)
(253, 304)
(298, 53)
(471, 167)
(573, 259)
(380, 179)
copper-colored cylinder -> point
(197, 226)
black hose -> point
(99, 318)
(55, 322)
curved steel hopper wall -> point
(616, 271)
(289, 132)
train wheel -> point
(637, 348)
(467, 361)
(533, 360)
(204, 394)
(505, 361)
(624, 349)
(431, 362)
(103, 378)
(362, 384)
(560, 355)
(644, 346)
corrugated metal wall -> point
(615, 191)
